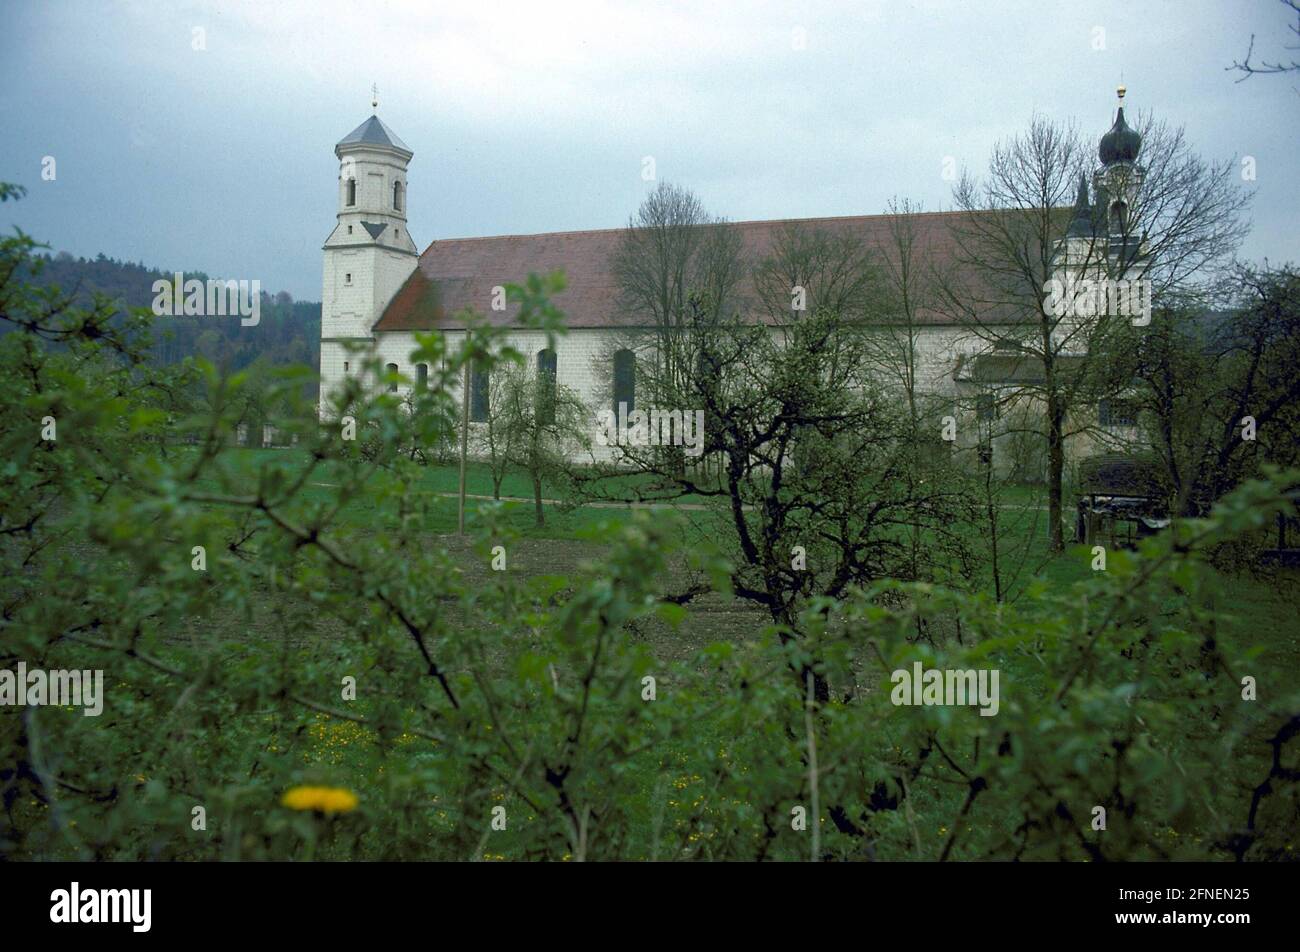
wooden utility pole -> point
(464, 446)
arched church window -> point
(624, 380)
(546, 376)
(352, 191)
(1119, 217)
(397, 196)
(421, 376)
(478, 394)
(392, 385)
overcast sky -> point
(535, 116)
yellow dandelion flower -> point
(321, 799)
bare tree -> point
(499, 432)
(896, 344)
(540, 424)
(677, 269)
(679, 273)
(907, 267)
(1249, 69)
(1164, 223)
(902, 302)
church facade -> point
(379, 290)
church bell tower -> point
(370, 253)
(1118, 182)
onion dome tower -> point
(1119, 180)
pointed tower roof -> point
(374, 132)
(1081, 224)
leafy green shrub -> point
(314, 686)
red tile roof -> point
(459, 273)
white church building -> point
(379, 288)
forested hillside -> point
(288, 331)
